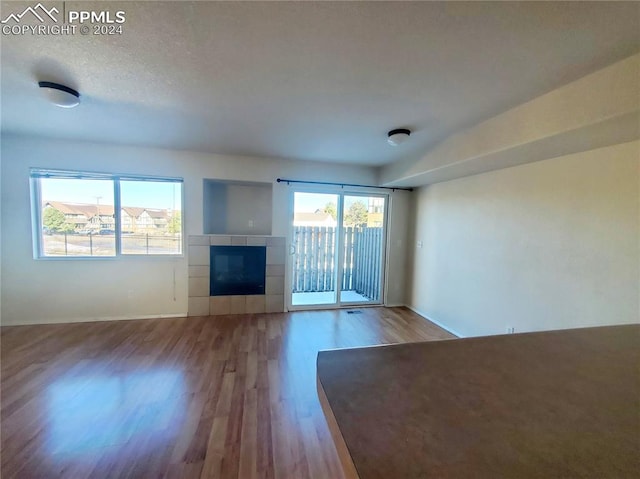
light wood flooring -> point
(210, 397)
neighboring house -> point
(147, 220)
(375, 216)
(95, 217)
(317, 218)
(129, 215)
(78, 219)
(159, 218)
(85, 216)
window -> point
(376, 205)
(89, 214)
(156, 226)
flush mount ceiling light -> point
(397, 136)
(60, 95)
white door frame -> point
(341, 192)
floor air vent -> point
(354, 311)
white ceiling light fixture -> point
(397, 136)
(60, 95)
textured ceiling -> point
(307, 80)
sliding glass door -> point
(363, 246)
(314, 272)
(337, 249)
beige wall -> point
(547, 245)
(398, 224)
(238, 209)
(41, 291)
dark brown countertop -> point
(550, 404)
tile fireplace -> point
(237, 270)
(236, 274)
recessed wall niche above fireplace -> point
(236, 207)
(237, 270)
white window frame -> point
(341, 191)
(35, 174)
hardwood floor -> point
(228, 397)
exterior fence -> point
(65, 244)
(315, 260)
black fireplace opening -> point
(237, 270)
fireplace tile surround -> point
(201, 304)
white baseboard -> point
(96, 319)
(438, 323)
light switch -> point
(419, 244)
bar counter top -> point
(547, 404)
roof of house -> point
(317, 217)
(157, 214)
(89, 210)
(81, 208)
(133, 211)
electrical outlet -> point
(419, 244)
(511, 330)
